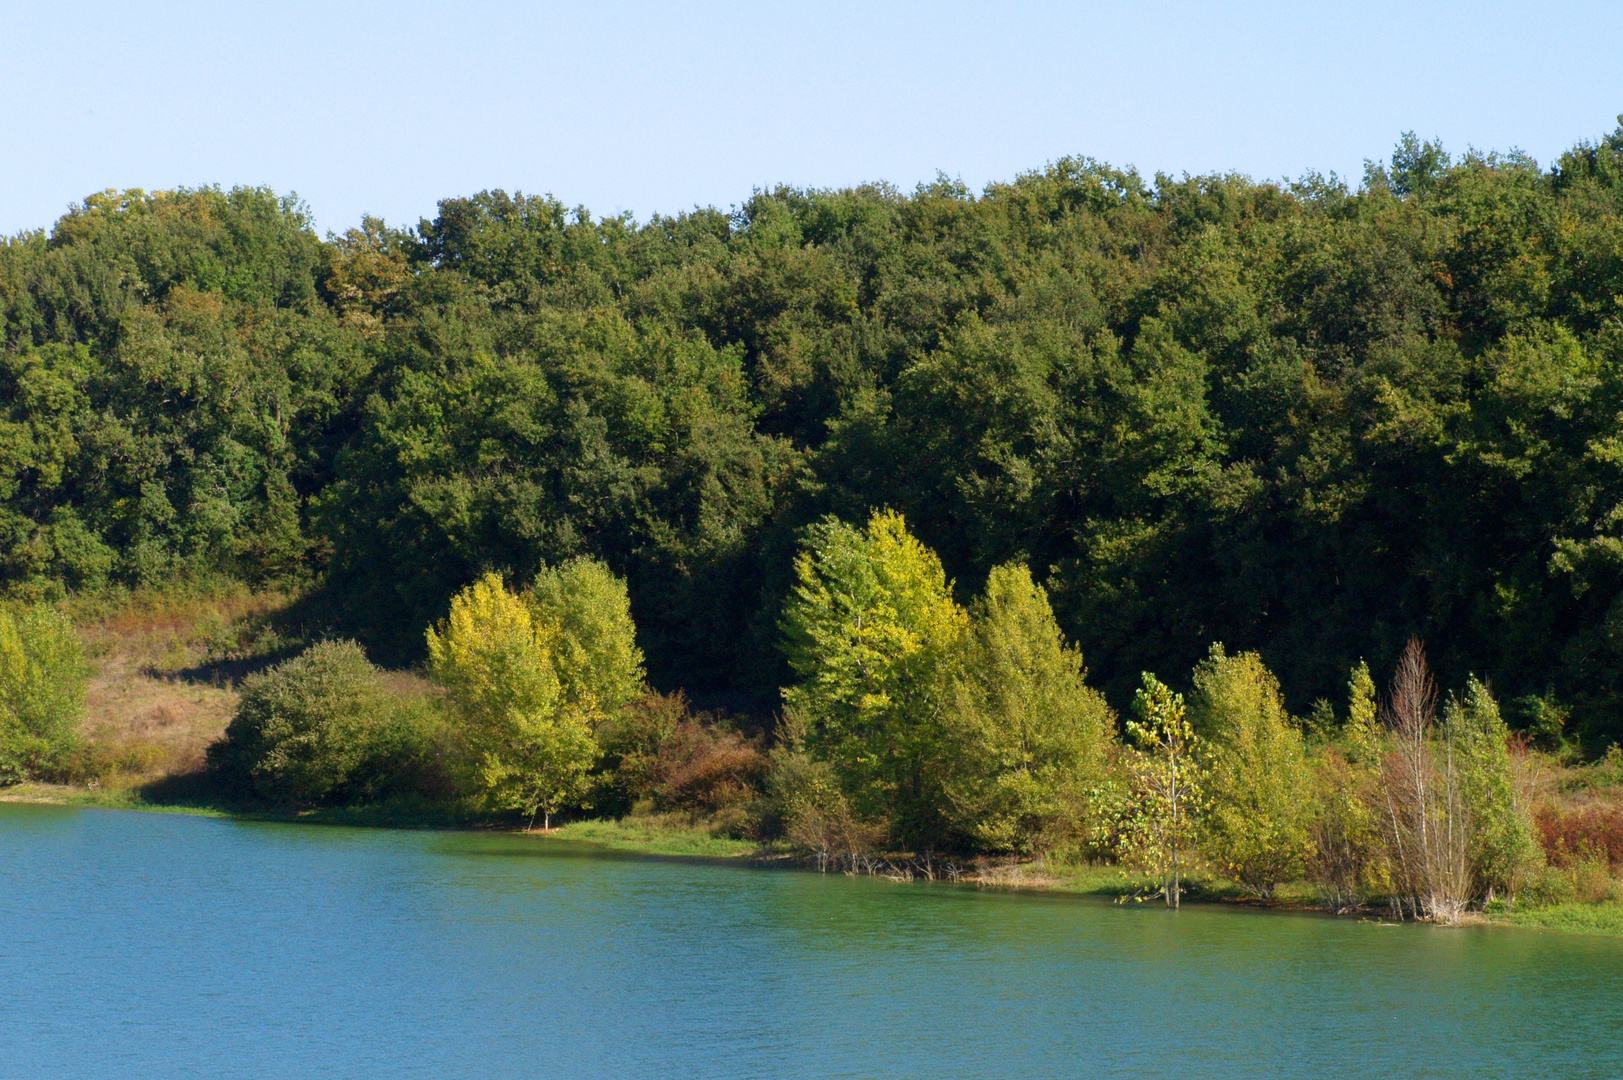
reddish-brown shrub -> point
(706, 769)
(1589, 832)
(659, 749)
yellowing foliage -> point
(498, 664)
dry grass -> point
(166, 666)
(152, 724)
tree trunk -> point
(1177, 879)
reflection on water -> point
(143, 945)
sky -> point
(385, 108)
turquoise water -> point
(147, 945)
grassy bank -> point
(667, 835)
(655, 836)
(1605, 917)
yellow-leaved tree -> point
(873, 632)
(1258, 823)
(498, 665)
(1029, 735)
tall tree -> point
(873, 632)
(1258, 788)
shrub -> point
(410, 752)
(704, 769)
(42, 688)
(631, 740)
(1585, 880)
(806, 802)
(660, 752)
(1590, 832)
(1347, 864)
(302, 728)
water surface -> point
(148, 945)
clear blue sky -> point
(387, 107)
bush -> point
(1590, 832)
(1583, 881)
(805, 801)
(303, 728)
(411, 752)
(42, 689)
(631, 743)
(1348, 865)
(659, 752)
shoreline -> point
(652, 837)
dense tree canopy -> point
(1303, 419)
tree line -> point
(915, 729)
(1312, 420)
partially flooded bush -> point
(806, 805)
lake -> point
(155, 945)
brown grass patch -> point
(166, 664)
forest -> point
(1260, 438)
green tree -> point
(1258, 785)
(1502, 846)
(1347, 863)
(1027, 733)
(499, 667)
(171, 379)
(42, 690)
(873, 632)
(302, 728)
(598, 662)
(1157, 825)
(1305, 418)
